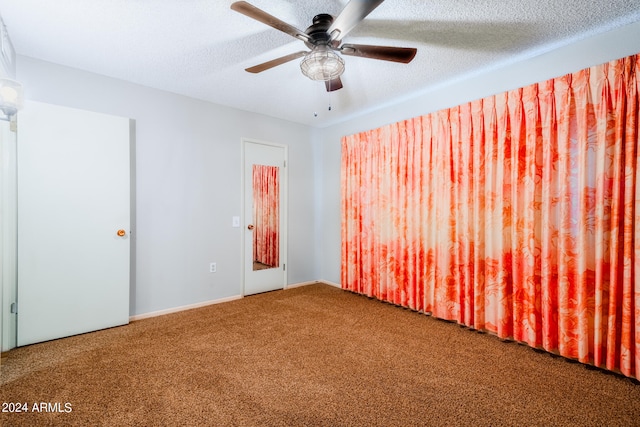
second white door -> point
(265, 207)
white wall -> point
(188, 171)
(615, 44)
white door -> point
(265, 190)
(73, 222)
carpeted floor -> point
(308, 356)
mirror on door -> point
(266, 217)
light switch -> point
(236, 221)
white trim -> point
(297, 285)
(8, 245)
(183, 308)
(313, 282)
(326, 282)
(219, 301)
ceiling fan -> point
(324, 38)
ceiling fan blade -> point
(385, 53)
(334, 84)
(274, 62)
(352, 14)
(262, 16)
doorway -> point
(264, 212)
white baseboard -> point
(218, 301)
(327, 282)
(183, 308)
(313, 282)
(297, 285)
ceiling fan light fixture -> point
(322, 64)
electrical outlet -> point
(212, 267)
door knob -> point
(121, 233)
(250, 226)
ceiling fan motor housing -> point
(318, 31)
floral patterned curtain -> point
(517, 214)
(266, 215)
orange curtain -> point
(517, 214)
(266, 215)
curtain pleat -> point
(515, 214)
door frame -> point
(284, 188)
(8, 236)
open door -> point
(73, 222)
(265, 189)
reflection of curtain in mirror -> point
(266, 206)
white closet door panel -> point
(73, 197)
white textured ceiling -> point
(200, 48)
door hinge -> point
(14, 308)
(285, 163)
(284, 267)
